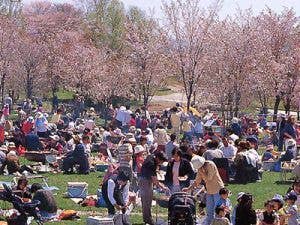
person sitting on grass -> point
(22, 189)
(220, 218)
(13, 165)
(48, 205)
(269, 154)
(292, 209)
(278, 203)
(77, 157)
(245, 214)
(268, 216)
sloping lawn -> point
(261, 192)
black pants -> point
(110, 207)
(70, 162)
(25, 168)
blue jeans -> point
(211, 201)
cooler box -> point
(99, 221)
(77, 189)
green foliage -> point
(107, 19)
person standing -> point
(280, 132)
(161, 137)
(148, 178)
(170, 146)
(177, 169)
(40, 125)
(208, 173)
(289, 129)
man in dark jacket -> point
(32, 142)
(77, 157)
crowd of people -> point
(178, 150)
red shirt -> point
(26, 127)
(132, 122)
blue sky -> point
(229, 6)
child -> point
(278, 203)
(269, 153)
(296, 191)
(291, 209)
(269, 216)
(224, 201)
(220, 218)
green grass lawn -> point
(261, 192)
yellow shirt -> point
(55, 118)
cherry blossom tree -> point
(9, 59)
(279, 34)
(188, 27)
(147, 55)
(55, 28)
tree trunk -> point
(276, 106)
(145, 97)
(3, 87)
(237, 104)
(189, 95)
(287, 105)
(223, 113)
(189, 100)
(29, 86)
(53, 94)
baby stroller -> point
(25, 210)
(182, 209)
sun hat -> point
(12, 154)
(11, 145)
(252, 139)
(197, 162)
(291, 196)
(138, 149)
(117, 131)
(278, 198)
(239, 195)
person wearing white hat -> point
(239, 196)
(139, 151)
(208, 173)
(41, 125)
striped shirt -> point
(125, 155)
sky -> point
(229, 6)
